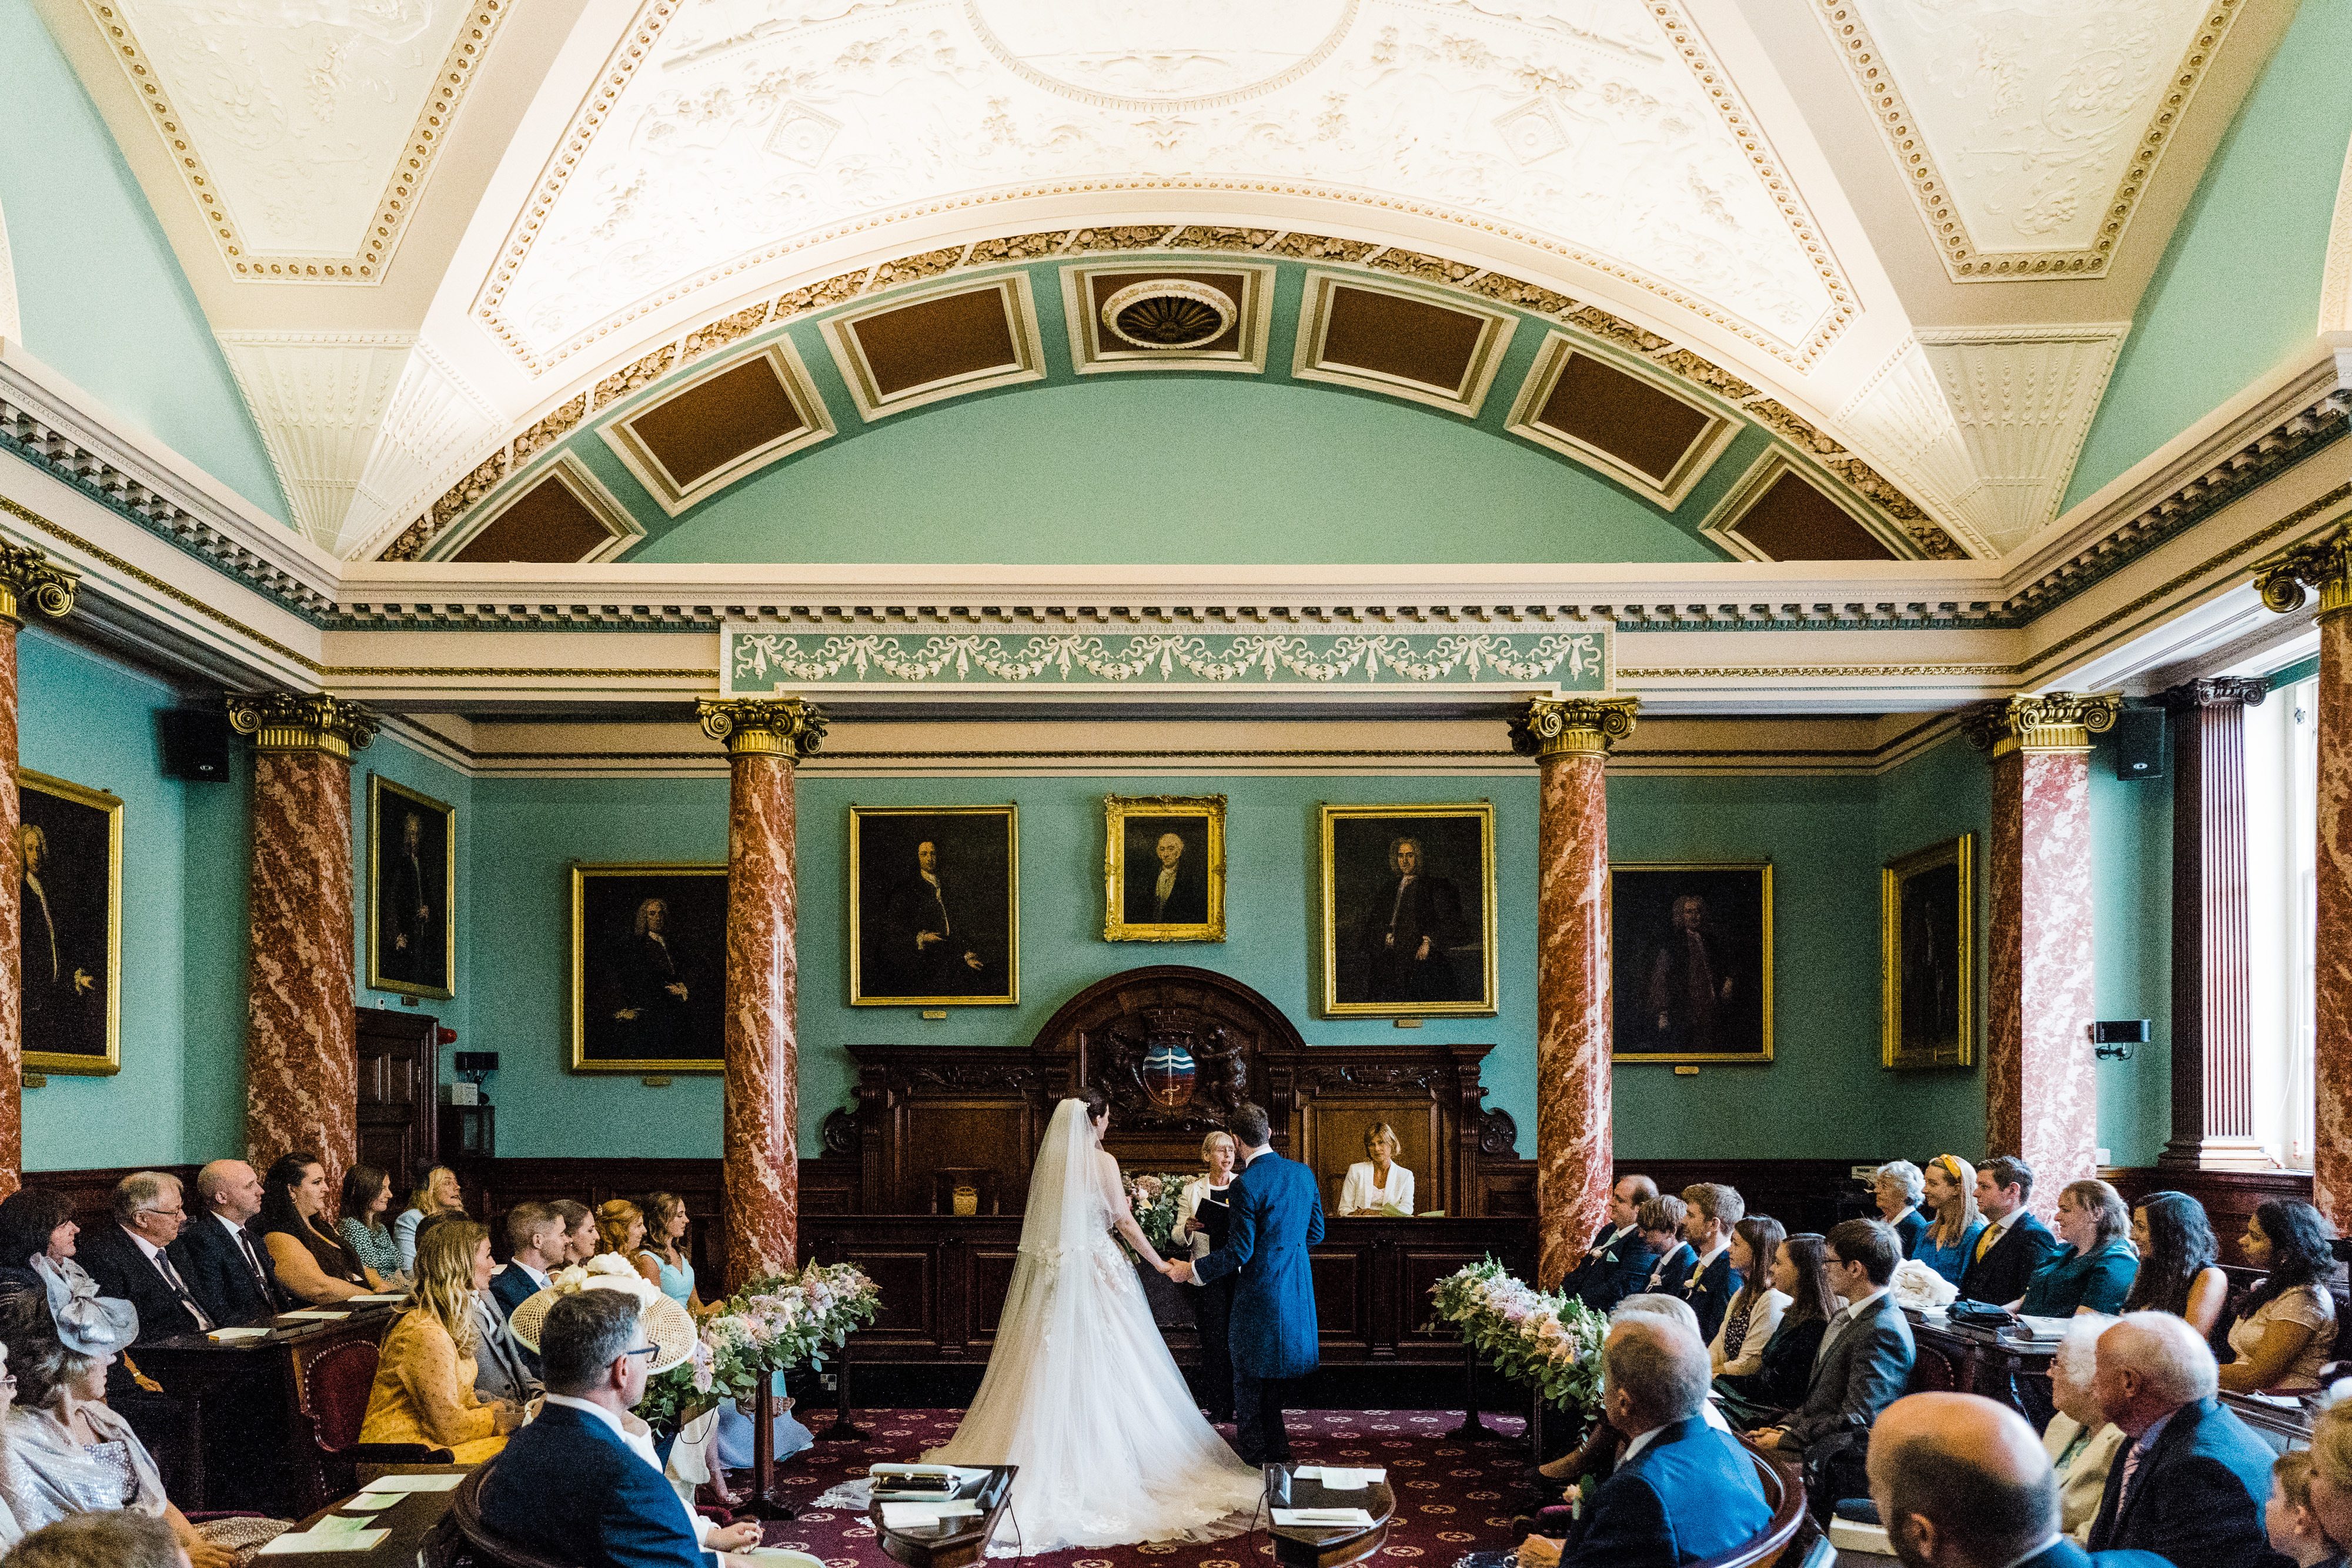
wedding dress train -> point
(1081, 1392)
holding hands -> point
(1180, 1271)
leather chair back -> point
(1786, 1497)
(490, 1550)
(340, 1379)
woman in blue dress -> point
(1952, 1192)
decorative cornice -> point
(1563, 726)
(2215, 691)
(303, 722)
(2055, 721)
(787, 726)
(28, 577)
(2323, 563)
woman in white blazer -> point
(1754, 1314)
(1380, 1182)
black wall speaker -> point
(195, 745)
(2139, 743)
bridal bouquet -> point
(775, 1325)
(1154, 1198)
(1552, 1344)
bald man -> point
(1962, 1483)
(228, 1270)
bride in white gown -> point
(1081, 1392)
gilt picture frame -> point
(1691, 961)
(934, 905)
(412, 845)
(1927, 954)
(70, 979)
(648, 967)
(1401, 941)
(1163, 868)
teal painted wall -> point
(2238, 289)
(412, 769)
(102, 297)
(2131, 915)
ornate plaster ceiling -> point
(2027, 128)
(726, 133)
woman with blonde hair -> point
(621, 1231)
(1378, 1183)
(436, 1194)
(1204, 1210)
(425, 1374)
(1949, 1187)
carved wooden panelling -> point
(991, 1283)
(1342, 1308)
(909, 1280)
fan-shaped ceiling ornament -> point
(1169, 313)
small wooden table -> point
(950, 1548)
(1979, 1361)
(1331, 1546)
(423, 1533)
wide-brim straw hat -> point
(666, 1322)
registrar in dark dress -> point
(1214, 1305)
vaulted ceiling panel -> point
(942, 344)
(1631, 423)
(1392, 340)
(722, 424)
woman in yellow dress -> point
(425, 1374)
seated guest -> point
(1950, 1239)
(2094, 1273)
(1958, 1482)
(1712, 1281)
(2190, 1481)
(117, 1539)
(312, 1260)
(1898, 1186)
(579, 1237)
(535, 1251)
(423, 1390)
(2177, 1272)
(436, 1193)
(1378, 1183)
(2286, 1331)
(229, 1268)
(70, 1454)
(666, 1226)
(1602, 1447)
(621, 1233)
(1662, 1232)
(138, 1260)
(501, 1375)
(2014, 1244)
(2081, 1440)
(2331, 1470)
(1738, 1347)
(38, 1239)
(1776, 1387)
(1621, 1233)
(1684, 1490)
(576, 1484)
(367, 1194)
(2289, 1524)
(1866, 1350)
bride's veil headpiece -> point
(1064, 1185)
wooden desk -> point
(949, 1548)
(1976, 1361)
(1304, 1546)
(423, 1533)
(224, 1431)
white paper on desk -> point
(1321, 1516)
(311, 1540)
(444, 1482)
(312, 1315)
(918, 1515)
(371, 1501)
(229, 1336)
(1336, 1479)
(381, 1296)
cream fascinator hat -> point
(665, 1323)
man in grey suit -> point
(1864, 1358)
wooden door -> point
(400, 1056)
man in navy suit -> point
(138, 1260)
(228, 1270)
(1682, 1491)
(1712, 1281)
(1962, 1483)
(1672, 1257)
(1621, 1235)
(535, 1237)
(574, 1485)
(2190, 1481)
(2014, 1243)
(1276, 1215)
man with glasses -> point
(1863, 1364)
(577, 1485)
(138, 1260)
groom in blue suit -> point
(1277, 1216)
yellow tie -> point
(1984, 1243)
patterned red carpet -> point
(1453, 1498)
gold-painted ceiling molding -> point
(693, 348)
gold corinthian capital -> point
(2323, 563)
(294, 722)
(785, 724)
(29, 578)
(1560, 726)
(2055, 721)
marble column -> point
(766, 740)
(28, 584)
(1571, 738)
(301, 1044)
(2213, 1026)
(2325, 563)
(2041, 1100)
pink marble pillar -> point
(765, 741)
(2325, 564)
(2040, 1098)
(301, 1048)
(28, 583)
(1571, 739)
